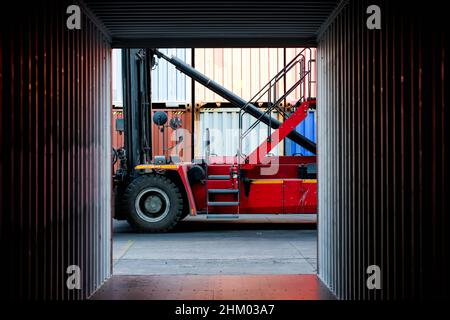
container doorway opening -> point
(238, 243)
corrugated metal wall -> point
(224, 128)
(308, 129)
(223, 124)
(172, 137)
(183, 149)
(117, 83)
(55, 112)
(245, 70)
(117, 138)
(383, 189)
(242, 70)
(168, 84)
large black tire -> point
(154, 203)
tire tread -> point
(148, 180)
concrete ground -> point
(250, 245)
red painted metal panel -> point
(182, 171)
(281, 192)
(266, 197)
(300, 196)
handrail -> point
(281, 72)
(275, 105)
(235, 99)
(278, 77)
(305, 78)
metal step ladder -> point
(299, 64)
(210, 193)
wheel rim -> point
(152, 204)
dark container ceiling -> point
(212, 23)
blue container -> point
(308, 129)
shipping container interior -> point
(380, 127)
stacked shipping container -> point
(169, 85)
(223, 124)
(243, 71)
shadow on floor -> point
(245, 222)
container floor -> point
(218, 287)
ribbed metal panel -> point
(183, 149)
(168, 84)
(212, 23)
(117, 138)
(223, 124)
(241, 70)
(172, 137)
(56, 153)
(383, 188)
(308, 129)
(246, 70)
(117, 78)
(218, 120)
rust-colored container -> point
(171, 137)
(182, 149)
(117, 138)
